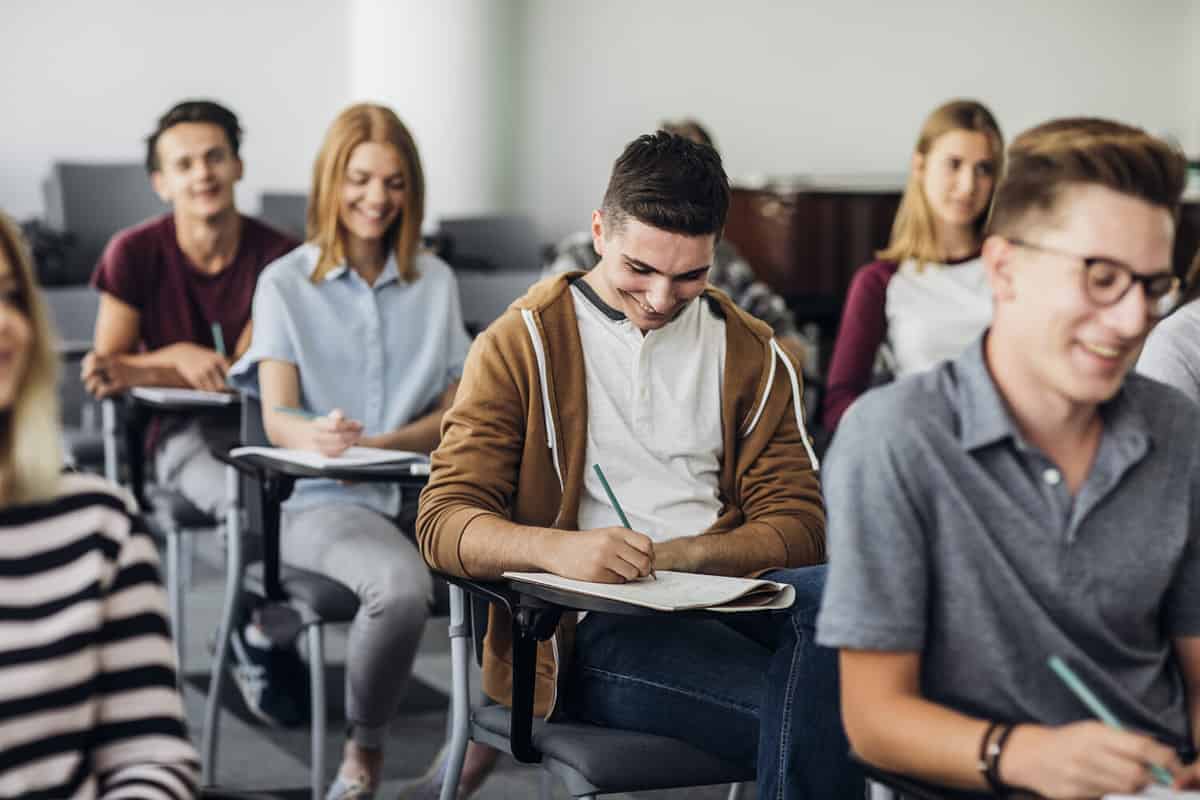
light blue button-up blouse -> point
(383, 354)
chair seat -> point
(619, 760)
(330, 600)
(178, 508)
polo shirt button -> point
(1052, 477)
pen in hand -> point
(612, 498)
(218, 340)
(1085, 695)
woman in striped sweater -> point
(88, 704)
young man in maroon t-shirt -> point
(168, 285)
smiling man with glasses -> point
(1032, 499)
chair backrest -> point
(94, 201)
(285, 210)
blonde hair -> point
(31, 451)
(360, 123)
(913, 234)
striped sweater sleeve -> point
(140, 742)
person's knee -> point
(808, 583)
(400, 593)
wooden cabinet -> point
(806, 240)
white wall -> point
(86, 79)
(448, 68)
(523, 104)
(827, 87)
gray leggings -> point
(378, 562)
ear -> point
(999, 264)
(598, 232)
(918, 164)
(159, 185)
(239, 170)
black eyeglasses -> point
(1106, 281)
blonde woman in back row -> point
(926, 297)
(87, 672)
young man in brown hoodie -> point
(694, 413)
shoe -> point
(350, 789)
(273, 681)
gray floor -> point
(253, 757)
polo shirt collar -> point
(986, 419)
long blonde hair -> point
(913, 234)
(364, 122)
(31, 451)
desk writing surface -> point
(167, 397)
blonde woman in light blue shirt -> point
(359, 327)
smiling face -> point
(16, 333)
(197, 170)
(1073, 348)
(374, 190)
(957, 176)
(647, 273)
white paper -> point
(1155, 791)
(672, 591)
(183, 397)
(353, 457)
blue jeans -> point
(754, 689)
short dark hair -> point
(1048, 159)
(668, 182)
(194, 111)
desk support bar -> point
(533, 622)
(274, 489)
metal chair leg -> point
(877, 791)
(229, 617)
(546, 785)
(735, 791)
(175, 599)
(460, 694)
(316, 671)
(108, 426)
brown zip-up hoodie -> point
(514, 445)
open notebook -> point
(677, 591)
(353, 457)
(190, 397)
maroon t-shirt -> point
(144, 267)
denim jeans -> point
(752, 688)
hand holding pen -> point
(332, 433)
(612, 498)
(1086, 759)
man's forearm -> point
(752, 547)
(152, 369)
(945, 752)
(492, 545)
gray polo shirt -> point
(951, 535)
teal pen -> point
(297, 412)
(1085, 695)
(612, 498)
(218, 339)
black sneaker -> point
(273, 681)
